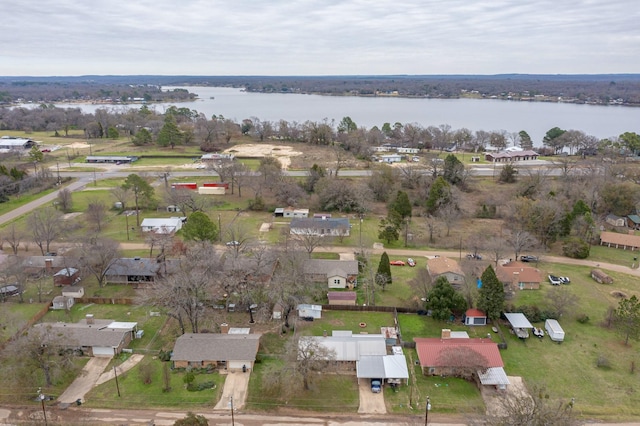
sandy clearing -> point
(281, 152)
(78, 145)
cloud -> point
(218, 37)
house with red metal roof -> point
(472, 359)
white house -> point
(167, 225)
(390, 158)
(403, 150)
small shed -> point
(62, 302)
(310, 311)
(75, 291)
(66, 276)
(601, 277)
(342, 298)
(475, 317)
(633, 221)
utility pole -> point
(231, 404)
(58, 168)
(115, 373)
(426, 411)
(44, 412)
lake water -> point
(475, 114)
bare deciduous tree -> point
(96, 214)
(98, 255)
(561, 301)
(65, 202)
(46, 226)
(13, 237)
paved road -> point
(27, 208)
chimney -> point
(446, 334)
(224, 328)
(48, 265)
(89, 318)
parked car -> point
(45, 150)
(376, 385)
(565, 280)
(528, 258)
(396, 263)
(554, 280)
(474, 256)
(232, 243)
(411, 262)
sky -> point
(319, 37)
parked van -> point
(555, 332)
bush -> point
(603, 362)
(576, 248)
(196, 387)
(583, 318)
(257, 204)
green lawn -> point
(328, 393)
(134, 393)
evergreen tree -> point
(491, 295)
(383, 276)
(626, 318)
(525, 140)
(402, 205)
(389, 230)
(199, 228)
(439, 195)
(443, 300)
(143, 137)
(453, 169)
(170, 134)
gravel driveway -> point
(370, 403)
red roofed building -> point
(517, 275)
(342, 297)
(475, 317)
(457, 357)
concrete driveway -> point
(236, 386)
(85, 381)
(370, 403)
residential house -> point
(511, 156)
(290, 212)
(390, 158)
(348, 348)
(517, 275)
(167, 225)
(347, 298)
(66, 276)
(614, 220)
(92, 336)
(444, 266)
(217, 157)
(633, 221)
(624, 241)
(475, 317)
(336, 273)
(62, 302)
(231, 352)
(477, 359)
(330, 227)
(139, 271)
(405, 150)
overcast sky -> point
(319, 37)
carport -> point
(392, 368)
(519, 323)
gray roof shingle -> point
(215, 347)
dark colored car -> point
(528, 258)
